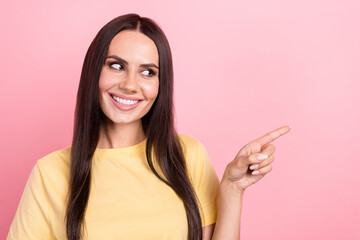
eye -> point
(148, 72)
(116, 66)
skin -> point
(124, 128)
(237, 177)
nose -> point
(129, 83)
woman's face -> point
(129, 79)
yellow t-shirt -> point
(127, 201)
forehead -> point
(135, 47)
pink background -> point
(242, 68)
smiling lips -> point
(125, 103)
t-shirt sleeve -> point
(31, 220)
(206, 184)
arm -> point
(208, 231)
(31, 218)
(230, 205)
(228, 221)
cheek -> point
(104, 85)
(104, 82)
(151, 90)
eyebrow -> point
(123, 60)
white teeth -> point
(124, 101)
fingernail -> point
(254, 166)
(255, 172)
(262, 157)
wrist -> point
(230, 187)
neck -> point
(114, 135)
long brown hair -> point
(158, 124)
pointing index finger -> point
(271, 136)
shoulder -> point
(43, 198)
(57, 158)
(194, 151)
(55, 165)
(190, 145)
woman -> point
(128, 174)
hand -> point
(246, 169)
